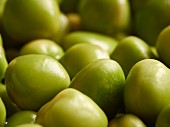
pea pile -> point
(84, 63)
